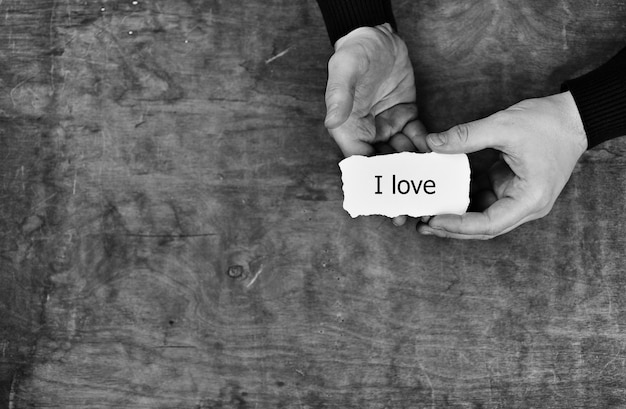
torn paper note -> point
(412, 184)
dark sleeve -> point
(343, 16)
(600, 96)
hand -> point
(370, 95)
(540, 141)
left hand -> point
(540, 141)
(370, 95)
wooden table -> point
(172, 231)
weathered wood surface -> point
(173, 236)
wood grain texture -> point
(173, 235)
(26, 185)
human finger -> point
(355, 136)
(468, 137)
(391, 121)
(501, 217)
(500, 176)
(384, 148)
(350, 147)
(399, 220)
(401, 143)
(344, 69)
(416, 132)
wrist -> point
(572, 120)
(343, 16)
(369, 33)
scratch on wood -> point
(177, 346)
(280, 54)
(16, 87)
(258, 273)
(430, 384)
(51, 34)
(565, 21)
(43, 202)
(12, 392)
(169, 236)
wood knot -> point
(236, 271)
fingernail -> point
(437, 139)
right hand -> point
(540, 140)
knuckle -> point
(335, 60)
(410, 112)
(546, 208)
(340, 59)
(354, 59)
(399, 116)
(365, 131)
(332, 88)
(363, 60)
(492, 229)
(542, 201)
(460, 133)
(544, 212)
(503, 118)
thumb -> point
(467, 138)
(343, 73)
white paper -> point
(407, 183)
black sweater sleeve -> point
(343, 16)
(600, 96)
